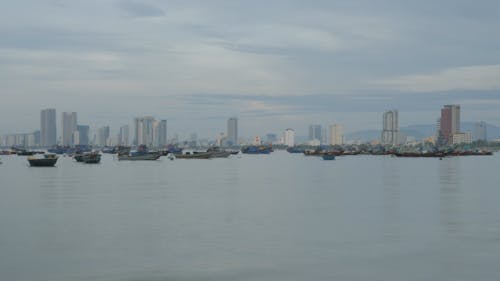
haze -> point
(273, 64)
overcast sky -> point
(273, 64)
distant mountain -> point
(422, 131)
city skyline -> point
(294, 64)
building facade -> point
(450, 123)
(336, 134)
(144, 131)
(124, 135)
(232, 131)
(48, 131)
(83, 135)
(160, 133)
(390, 128)
(289, 137)
(69, 126)
(315, 133)
(103, 134)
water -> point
(254, 217)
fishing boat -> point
(254, 149)
(194, 155)
(139, 156)
(295, 149)
(46, 160)
(328, 156)
(88, 157)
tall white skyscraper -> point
(390, 131)
(103, 136)
(336, 134)
(69, 126)
(232, 131)
(289, 137)
(48, 132)
(144, 131)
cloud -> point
(481, 77)
(140, 9)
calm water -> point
(277, 217)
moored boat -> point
(253, 149)
(88, 157)
(48, 160)
(328, 156)
(139, 156)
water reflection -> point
(391, 199)
(450, 194)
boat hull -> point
(47, 162)
(148, 157)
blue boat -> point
(328, 156)
(253, 149)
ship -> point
(47, 160)
(88, 157)
(137, 156)
(254, 149)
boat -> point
(254, 149)
(328, 156)
(138, 156)
(88, 157)
(295, 149)
(195, 155)
(47, 160)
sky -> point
(273, 64)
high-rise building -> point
(438, 131)
(336, 134)
(289, 137)
(480, 132)
(123, 136)
(160, 133)
(390, 130)
(68, 123)
(48, 132)
(315, 132)
(103, 136)
(450, 123)
(83, 134)
(144, 131)
(232, 131)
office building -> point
(336, 134)
(390, 128)
(48, 132)
(460, 138)
(123, 136)
(232, 131)
(160, 133)
(68, 126)
(450, 123)
(315, 132)
(103, 136)
(144, 131)
(289, 137)
(83, 135)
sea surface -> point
(251, 217)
